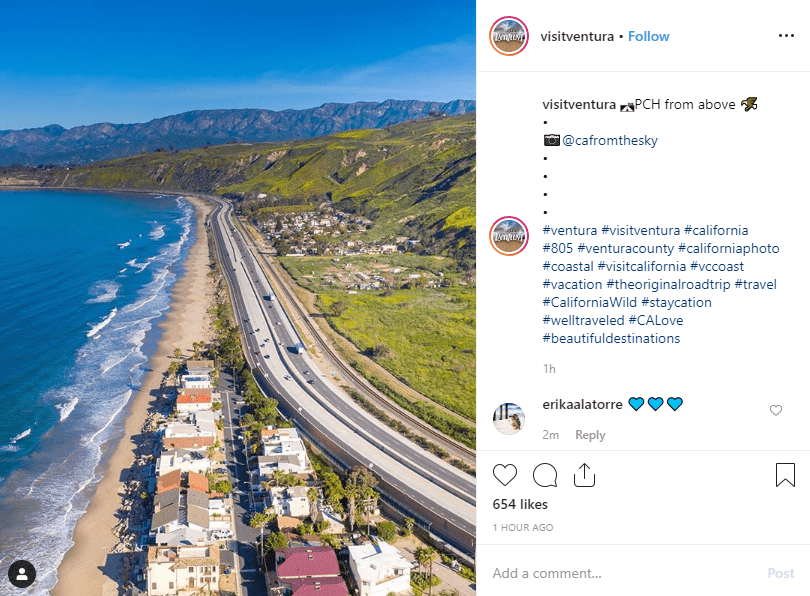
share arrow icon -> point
(584, 480)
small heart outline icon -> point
(674, 403)
(776, 410)
(655, 403)
(505, 473)
(636, 402)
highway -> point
(432, 491)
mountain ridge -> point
(56, 145)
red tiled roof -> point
(197, 482)
(168, 481)
(269, 432)
(308, 561)
(188, 442)
(327, 586)
(194, 399)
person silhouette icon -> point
(21, 574)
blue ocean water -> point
(85, 279)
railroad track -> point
(453, 447)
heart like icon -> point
(505, 473)
(636, 402)
(776, 410)
(655, 403)
(674, 403)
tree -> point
(424, 557)
(338, 308)
(407, 526)
(352, 493)
(210, 451)
(174, 368)
(359, 489)
(177, 352)
(275, 541)
(312, 497)
(224, 486)
(387, 531)
(381, 351)
(257, 520)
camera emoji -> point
(551, 140)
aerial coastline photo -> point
(239, 301)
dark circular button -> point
(21, 574)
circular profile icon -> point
(21, 574)
(508, 418)
(509, 236)
(509, 36)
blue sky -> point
(82, 62)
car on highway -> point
(257, 329)
(306, 372)
(278, 322)
(267, 355)
(288, 377)
(311, 381)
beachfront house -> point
(195, 382)
(180, 517)
(184, 460)
(199, 368)
(379, 569)
(180, 435)
(193, 400)
(172, 570)
(309, 570)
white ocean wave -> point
(139, 266)
(22, 435)
(66, 408)
(104, 322)
(103, 291)
(123, 245)
(157, 232)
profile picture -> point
(509, 36)
(508, 418)
(508, 236)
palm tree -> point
(424, 556)
(277, 474)
(408, 524)
(352, 493)
(312, 496)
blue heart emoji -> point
(636, 402)
(674, 402)
(655, 403)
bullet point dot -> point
(544, 176)
(545, 194)
(545, 121)
(545, 158)
(544, 212)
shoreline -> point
(93, 564)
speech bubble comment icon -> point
(545, 475)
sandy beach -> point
(91, 566)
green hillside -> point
(415, 179)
